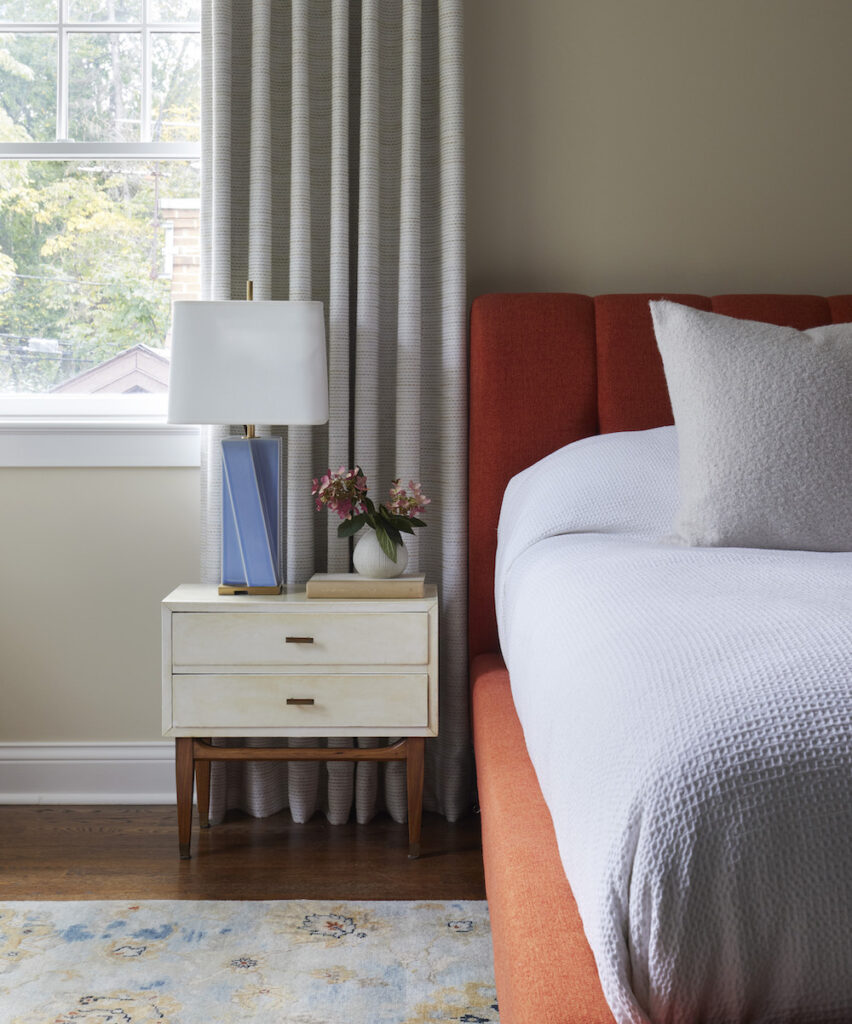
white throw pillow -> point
(764, 425)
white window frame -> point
(95, 430)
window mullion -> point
(145, 134)
(62, 76)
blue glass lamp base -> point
(251, 491)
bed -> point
(547, 370)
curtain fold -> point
(333, 169)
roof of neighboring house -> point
(137, 369)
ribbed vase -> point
(370, 560)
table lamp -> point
(249, 363)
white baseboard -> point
(87, 773)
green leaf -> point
(368, 503)
(386, 544)
(402, 523)
(416, 522)
(349, 527)
(393, 533)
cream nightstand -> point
(290, 666)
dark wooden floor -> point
(108, 852)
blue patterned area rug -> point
(285, 962)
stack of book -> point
(351, 585)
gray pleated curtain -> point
(333, 169)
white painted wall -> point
(86, 555)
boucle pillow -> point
(764, 425)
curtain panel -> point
(333, 170)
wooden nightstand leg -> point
(414, 776)
(202, 791)
(183, 780)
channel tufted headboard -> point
(548, 369)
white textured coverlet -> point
(688, 712)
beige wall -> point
(631, 145)
(86, 555)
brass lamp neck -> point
(249, 298)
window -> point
(99, 200)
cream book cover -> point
(351, 585)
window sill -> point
(34, 442)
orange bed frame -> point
(545, 370)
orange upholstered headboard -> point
(547, 369)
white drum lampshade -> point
(248, 362)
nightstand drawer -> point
(211, 641)
(389, 702)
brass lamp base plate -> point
(228, 589)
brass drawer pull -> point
(299, 640)
(300, 700)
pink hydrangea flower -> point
(343, 492)
(411, 505)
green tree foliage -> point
(28, 84)
(81, 274)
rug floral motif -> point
(284, 962)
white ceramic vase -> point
(370, 560)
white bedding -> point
(688, 712)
